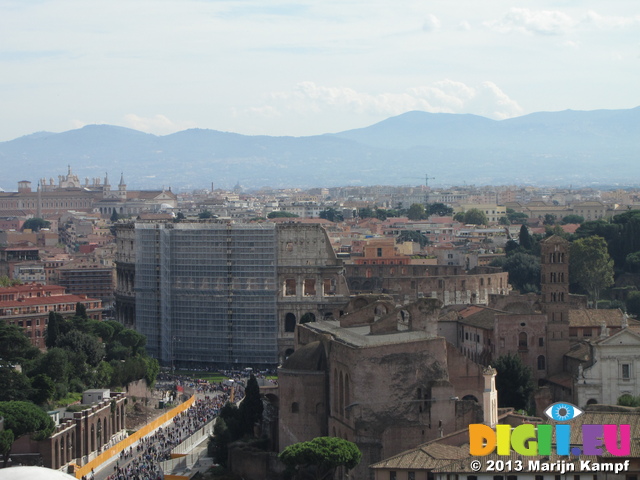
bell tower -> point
(554, 281)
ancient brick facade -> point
(448, 283)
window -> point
(309, 287)
(626, 371)
(541, 342)
(290, 286)
(295, 408)
(411, 475)
(541, 362)
(522, 340)
(586, 332)
(393, 475)
(379, 252)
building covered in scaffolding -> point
(224, 294)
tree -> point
(632, 262)
(331, 214)
(35, 224)
(81, 310)
(573, 218)
(205, 214)
(416, 212)
(524, 271)
(282, 215)
(525, 238)
(514, 382)
(439, 209)
(5, 281)
(251, 406)
(15, 347)
(53, 329)
(381, 214)
(43, 389)
(516, 217)
(591, 266)
(474, 216)
(114, 216)
(549, 219)
(319, 458)
(413, 236)
(459, 217)
(13, 384)
(366, 212)
(23, 418)
(633, 303)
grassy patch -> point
(69, 399)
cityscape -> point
(294, 240)
(392, 318)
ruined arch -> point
(308, 317)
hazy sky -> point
(303, 68)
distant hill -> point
(552, 148)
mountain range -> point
(600, 147)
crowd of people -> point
(144, 462)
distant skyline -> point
(305, 68)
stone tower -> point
(122, 188)
(554, 273)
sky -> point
(297, 68)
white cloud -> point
(431, 24)
(158, 124)
(610, 22)
(543, 22)
(464, 25)
(447, 96)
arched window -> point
(522, 340)
(289, 322)
(542, 364)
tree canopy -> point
(332, 215)
(319, 458)
(590, 265)
(439, 209)
(416, 212)
(475, 216)
(413, 236)
(514, 382)
(21, 418)
(36, 224)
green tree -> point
(504, 221)
(251, 406)
(459, 217)
(15, 346)
(413, 236)
(53, 329)
(23, 418)
(572, 218)
(381, 214)
(516, 217)
(36, 224)
(590, 266)
(525, 238)
(474, 216)
(514, 382)
(366, 212)
(633, 303)
(153, 368)
(13, 384)
(331, 214)
(319, 458)
(282, 215)
(5, 281)
(549, 219)
(80, 342)
(416, 212)
(632, 262)
(43, 389)
(114, 216)
(439, 209)
(205, 214)
(81, 310)
(524, 271)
